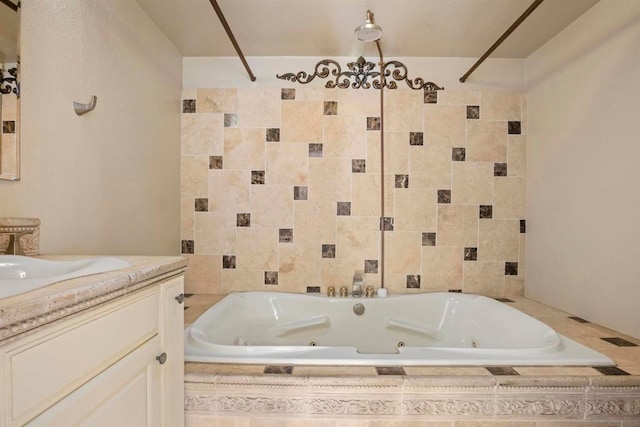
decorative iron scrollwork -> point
(10, 84)
(360, 74)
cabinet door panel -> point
(172, 327)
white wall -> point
(106, 182)
(583, 177)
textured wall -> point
(281, 189)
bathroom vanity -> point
(105, 349)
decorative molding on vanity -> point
(481, 397)
(20, 314)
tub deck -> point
(513, 394)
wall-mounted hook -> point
(81, 109)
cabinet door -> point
(126, 394)
(172, 335)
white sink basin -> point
(20, 274)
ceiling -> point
(324, 28)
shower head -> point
(369, 31)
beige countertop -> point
(24, 312)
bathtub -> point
(400, 330)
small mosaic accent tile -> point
(257, 177)
(313, 289)
(458, 154)
(285, 235)
(243, 220)
(9, 126)
(473, 111)
(430, 96)
(300, 192)
(510, 268)
(386, 223)
(620, 342)
(315, 150)
(523, 226)
(215, 162)
(515, 128)
(344, 208)
(270, 277)
(328, 251)
(501, 370)
(272, 369)
(288, 94)
(416, 138)
(413, 281)
(456, 291)
(578, 319)
(371, 266)
(470, 254)
(273, 135)
(486, 211)
(373, 123)
(330, 108)
(187, 246)
(390, 370)
(504, 299)
(402, 181)
(202, 205)
(444, 196)
(231, 120)
(188, 105)
(428, 239)
(228, 261)
(610, 370)
(358, 165)
(499, 169)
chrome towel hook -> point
(81, 109)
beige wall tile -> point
(287, 163)
(396, 153)
(257, 248)
(315, 223)
(229, 190)
(486, 278)
(498, 240)
(189, 93)
(415, 209)
(344, 137)
(302, 121)
(202, 134)
(498, 105)
(272, 206)
(339, 271)
(458, 97)
(330, 179)
(457, 225)
(240, 279)
(446, 370)
(217, 101)
(403, 110)
(193, 176)
(215, 233)
(403, 251)
(307, 93)
(522, 255)
(363, 103)
(472, 183)
(373, 152)
(244, 149)
(517, 155)
(486, 141)
(204, 275)
(187, 218)
(358, 237)
(509, 198)
(299, 267)
(445, 125)
(442, 267)
(365, 194)
(259, 107)
(430, 167)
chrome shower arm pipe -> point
(224, 23)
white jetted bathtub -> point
(402, 330)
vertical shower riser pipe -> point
(382, 223)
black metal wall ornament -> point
(10, 84)
(361, 74)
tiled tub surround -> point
(281, 190)
(24, 312)
(368, 396)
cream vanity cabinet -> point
(117, 364)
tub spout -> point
(358, 283)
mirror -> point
(9, 91)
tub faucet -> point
(14, 247)
(358, 283)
